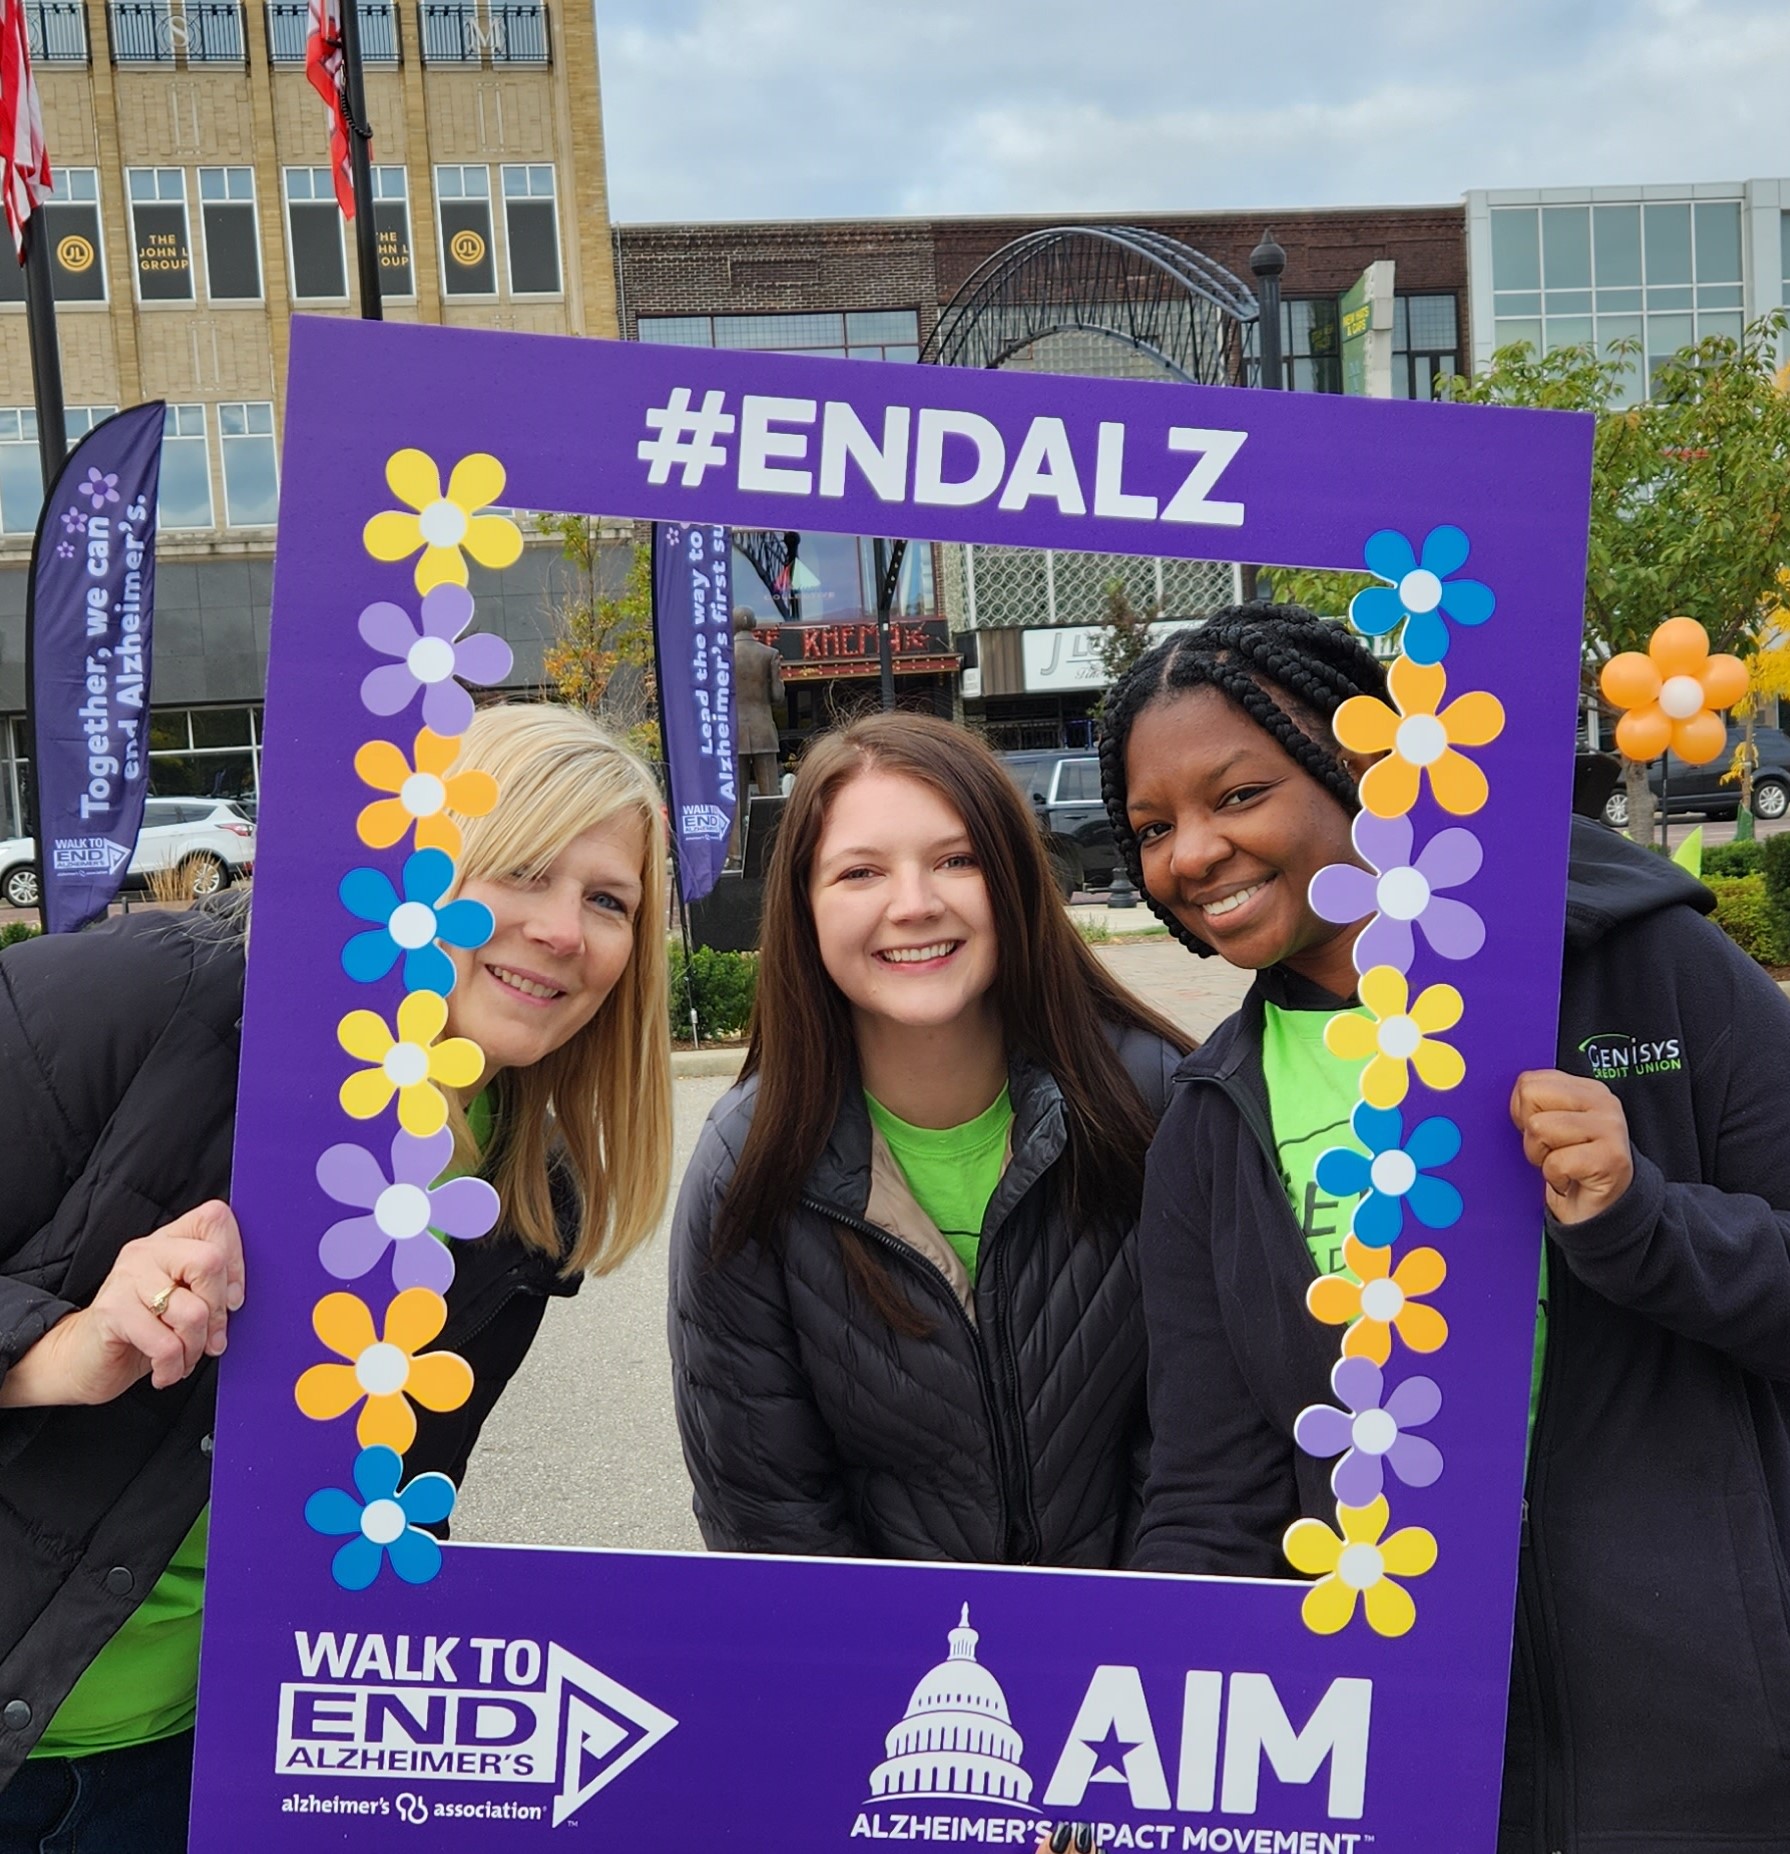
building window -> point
(232, 238)
(204, 752)
(161, 251)
(531, 230)
(142, 32)
(251, 479)
(289, 30)
(314, 232)
(1663, 273)
(21, 474)
(213, 32)
(186, 474)
(505, 31)
(877, 334)
(1311, 344)
(71, 229)
(391, 223)
(1425, 344)
(56, 31)
(463, 200)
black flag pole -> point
(52, 451)
(360, 163)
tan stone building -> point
(195, 216)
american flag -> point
(24, 161)
(323, 66)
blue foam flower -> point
(410, 926)
(1393, 1174)
(384, 1522)
(1421, 592)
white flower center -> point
(383, 1521)
(406, 1064)
(1374, 1432)
(1401, 894)
(1360, 1566)
(1420, 591)
(1383, 1300)
(430, 659)
(443, 524)
(1421, 739)
(1392, 1174)
(411, 925)
(382, 1369)
(1682, 697)
(402, 1211)
(422, 795)
(1398, 1037)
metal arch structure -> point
(1168, 302)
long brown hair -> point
(1052, 995)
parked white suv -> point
(209, 836)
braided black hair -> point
(1270, 661)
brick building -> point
(194, 216)
(875, 289)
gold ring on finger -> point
(159, 1304)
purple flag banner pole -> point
(87, 631)
(693, 643)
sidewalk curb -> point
(723, 1059)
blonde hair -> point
(604, 1098)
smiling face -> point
(1230, 831)
(562, 940)
(901, 910)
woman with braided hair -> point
(1650, 1692)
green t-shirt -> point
(952, 1171)
(144, 1684)
(1311, 1095)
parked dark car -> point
(1700, 788)
(1064, 789)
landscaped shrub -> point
(15, 931)
(1775, 867)
(1734, 859)
(1744, 910)
(724, 985)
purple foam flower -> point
(401, 1210)
(1401, 893)
(1372, 1435)
(99, 490)
(430, 657)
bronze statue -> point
(757, 683)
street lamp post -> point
(1267, 261)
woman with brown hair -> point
(904, 1291)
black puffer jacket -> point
(118, 1056)
(1650, 1691)
(1012, 1432)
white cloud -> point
(731, 109)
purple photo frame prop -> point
(359, 1682)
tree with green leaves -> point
(601, 657)
(1124, 631)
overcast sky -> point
(736, 109)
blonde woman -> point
(118, 1053)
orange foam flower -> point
(1420, 736)
(1672, 694)
(384, 1368)
(1381, 1300)
(422, 794)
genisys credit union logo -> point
(1618, 1056)
(440, 1708)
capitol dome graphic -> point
(956, 1742)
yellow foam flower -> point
(1380, 1299)
(384, 1368)
(447, 526)
(1672, 694)
(422, 793)
(409, 1065)
(1400, 1037)
(1358, 1563)
(1420, 736)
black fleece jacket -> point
(1650, 1691)
(812, 1425)
(118, 1055)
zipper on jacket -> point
(1264, 1136)
(1550, 1738)
(893, 1245)
(1028, 1541)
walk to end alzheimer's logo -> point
(445, 1709)
(954, 1765)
